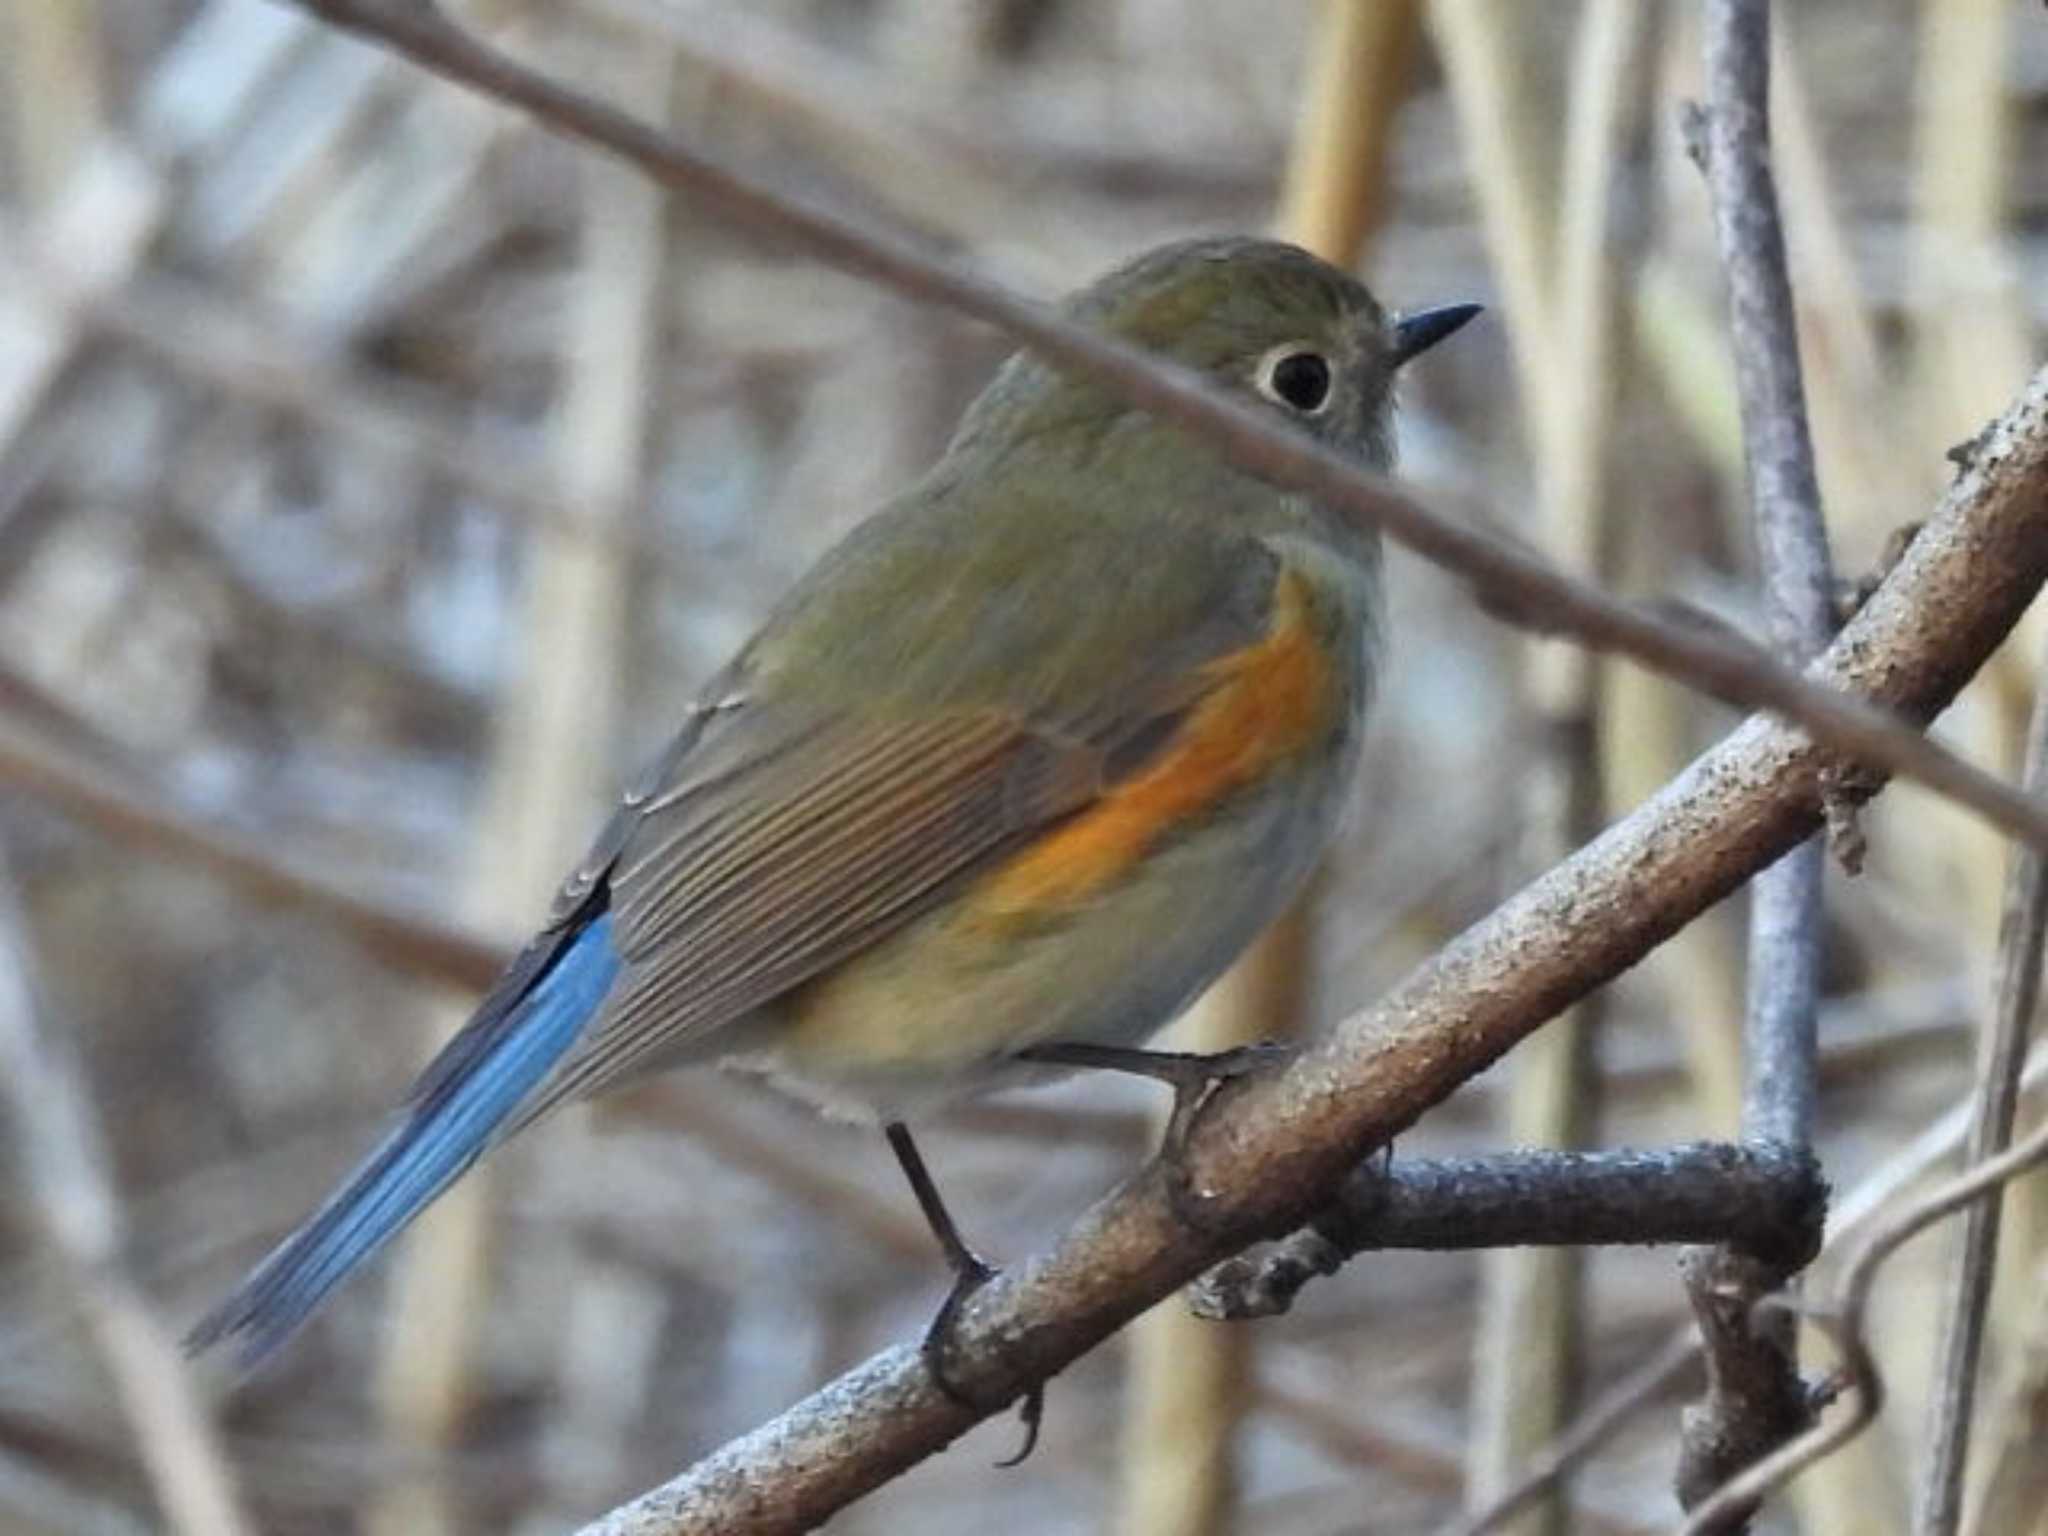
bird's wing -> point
(779, 836)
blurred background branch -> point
(61, 1150)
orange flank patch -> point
(1264, 704)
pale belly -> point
(937, 1012)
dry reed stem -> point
(1968, 331)
(1334, 197)
(1527, 1338)
(2011, 1497)
(54, 100)
(67, 1165)
(2001, 1055)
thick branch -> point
(1269, 1154)
(1762, 1197)
(1511, 578)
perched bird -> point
(1007, 779)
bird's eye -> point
(1296, 378)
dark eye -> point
(1298, 378)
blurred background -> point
(379, 476)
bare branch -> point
(1755, 1400)
(1784, 971)
(1791, 537)
(1509, 577)
(1710, 1192)
(103, 797)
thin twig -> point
(148, 819)
(1792, 547)
(1509, 577)
(2001, 1056)
(1791, 537)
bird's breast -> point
(1262, 711)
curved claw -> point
(1030, 1412)
(1030, 1409)
(970, 1278)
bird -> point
(1005, 781)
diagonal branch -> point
(1269, 1154)
(1509, 577)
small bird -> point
(1012, 774)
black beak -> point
(1417, 333)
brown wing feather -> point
(782, 833)
(732, 886)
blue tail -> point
(479, 1080)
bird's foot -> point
(970, 1273)
(1195, 1077)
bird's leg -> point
(970, 1273)
(1194, 1077)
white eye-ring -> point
(1297, 376)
